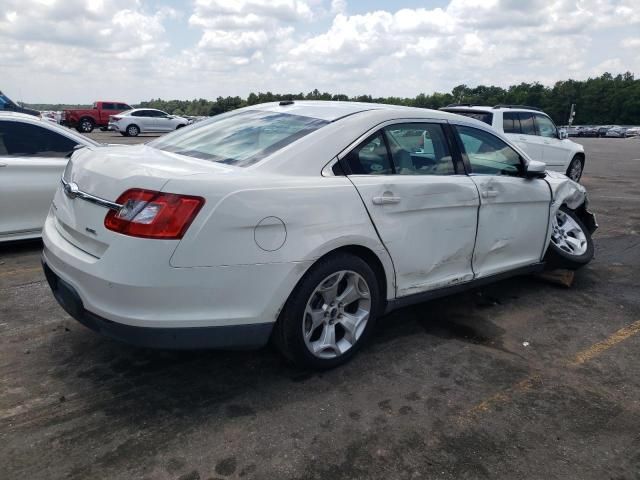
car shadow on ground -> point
(143, 383)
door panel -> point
(27, 186)
(512, 223)
(514, 211)
(428, 225)
(554, 153)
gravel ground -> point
(521, 379)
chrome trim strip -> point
(71, 190)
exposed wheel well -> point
(372, 260)
(581, 156)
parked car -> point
(8, 105)
(302, 222)
(617, 132)
(534, 132)
(85, 120)
(33, 155)
(574, 131)
(589, 132)
(145, 120)
(602, 131)
(633, 132)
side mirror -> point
(562, 134)
(536, 169)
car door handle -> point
(385, 200)
(489, 193)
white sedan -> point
(131, 123)
(302, 222)
(33, 154)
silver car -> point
(145, 120)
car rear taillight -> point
(149, 214)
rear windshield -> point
(486, 117)
(239, 139)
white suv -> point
(533, 131)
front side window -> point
(25, 140)
(141, 113)
(419, 149)
(239, 139)
(488, 154)
(371, 157)
(123, 106)
(545, 126)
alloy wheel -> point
(336, 314)
(567, 235)
(576, 170)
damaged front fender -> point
(565, 191)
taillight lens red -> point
(150, 214)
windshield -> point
(239, 139)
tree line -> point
(606, 99)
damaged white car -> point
(302, 222)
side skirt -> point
(444, 291)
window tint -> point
(108, 106)
(488, 154)
(370, 158)
(545, 126)
(486, 117)
(419, 149)
(526, 123)
(510, 122)
(123, 106)
(24, 139)
(239, 138)
(142, 113)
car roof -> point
(331, 111)
(486, 108)
(26, 118)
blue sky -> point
(132, 50)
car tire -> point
(133, 130)
(575, 168)
(180, 126)
(124, 134)
(310, 331)
(571, 245)
(86, 125)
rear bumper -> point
(229, 336)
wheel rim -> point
(576, 170)
(567, 235)
(133, 131)
(336, 314)
(86, 125)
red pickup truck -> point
(85, 120)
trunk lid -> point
(106, 173)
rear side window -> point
(239, 139)
(419, 149)
(511, 122)
(142, 113)
(486, 117)
(25, 140)
(123, 106)
(527, 127)
(108, 106)
(370, 157)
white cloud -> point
(75, 50)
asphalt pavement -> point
(520, 379)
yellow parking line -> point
(23, 270)
(598, 348)
(507, 394)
